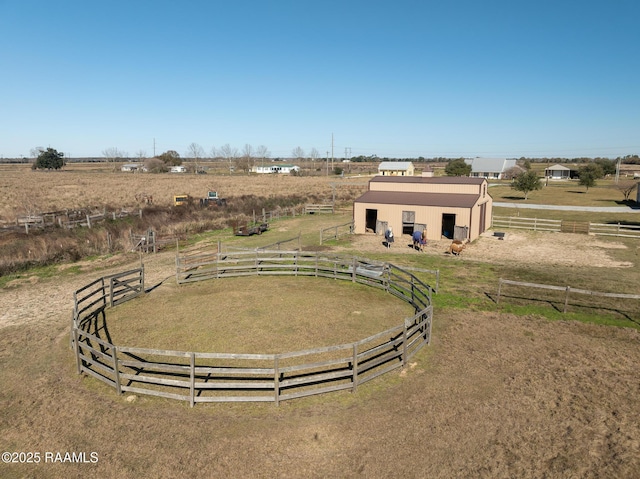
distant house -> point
(559, 172)
(447, 207)
(133, 167)
(178, 169)
(395, 168)
(490, 168)
(276, 169)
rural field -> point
(515, 389)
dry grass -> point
(264, 315)
(83, 186)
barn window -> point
(408, 221)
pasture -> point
(511, 390)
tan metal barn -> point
(448, 207)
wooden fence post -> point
(77, 343)
(354, 378)
(353, 273)
(404, 344)
(276, 381)
(192, 385)
(566, 299)
(499, 288)
(116, 372)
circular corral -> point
(238, 376)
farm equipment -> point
(182, 200)
(212, 199)
(249, 230)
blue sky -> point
(398, 79)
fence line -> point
(566, 289)
(312, 209)
(227, 377)
(337, 231)
(567, 226)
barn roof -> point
(448, 180)
(490, 165)
(395, 165)
(419, 199)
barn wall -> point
(429, 215)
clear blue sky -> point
(393, 78)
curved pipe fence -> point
(199, 377)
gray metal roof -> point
(394, 165)
(450, 200)
(490, 165)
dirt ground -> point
(494, 396)
(523, 247)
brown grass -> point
(264, 315)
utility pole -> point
(327, 162)
(331, 151)
(154, 147)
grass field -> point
(511, 390)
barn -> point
(447, 207)
(396, 168)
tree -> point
(626, 188)
(195, 152)
(512, 173)
(457, 168)
(50, 159)
(113, 155)
(34, 152)
(526, 182)
(588, 175)
(245, 161)
(154, 165)
(608, 166)
(314, 154)
(263, 153)
(297, 153)
(170, 158)
(228, 153)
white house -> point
(490, 168)
(558, 172)
(178, 169)
(276, 169)
(395, 168)
(133, 167)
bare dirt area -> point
(517, 247)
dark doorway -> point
(448, 223)
(371, 217)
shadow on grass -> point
(577, 192)
(513, 198)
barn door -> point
(381, 227)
